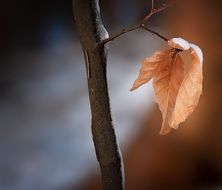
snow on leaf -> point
(178, 43)
(176, 92)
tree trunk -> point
(92, 32)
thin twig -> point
(155, 11)
(152, 5)
(140, 24)
(123, 31)
(154, 32)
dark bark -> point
(92, 32)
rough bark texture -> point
(92, 32)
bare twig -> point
(123, 31)
(140, 24)
(155, 11)
(154, 32)
(152, 5)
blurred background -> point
(45, 135)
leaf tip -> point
(164, 132)
(165, 128)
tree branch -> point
(92, 32)
(141, 24)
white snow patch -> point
(198, 51)
(179, 43)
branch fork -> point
(141, 24)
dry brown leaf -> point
(177, 94)
(150, 66)
(190, 90)
(166, 85)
